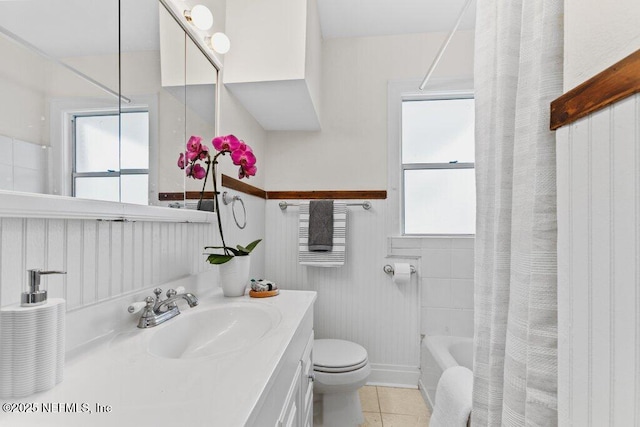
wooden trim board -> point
(617, 82)
(328, 194)
(237, 185)
(243, 187)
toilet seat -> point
(338, 356)
(340, 368)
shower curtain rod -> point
(17, 39)
(436, 60)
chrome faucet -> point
(156, 311)
(170, 302)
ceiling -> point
(362, 18)
(82, 27)
(96, 32)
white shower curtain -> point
(518, 72)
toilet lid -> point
(338, 355)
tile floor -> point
(393, 407)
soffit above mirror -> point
(274, 70)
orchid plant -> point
(241, 155)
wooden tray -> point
(263, 294)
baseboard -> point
(394, 376)
(425, 395)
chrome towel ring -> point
(233, 200)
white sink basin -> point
(213, 331)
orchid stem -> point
(204, 185)
(217, 204)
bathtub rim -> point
(438, 346)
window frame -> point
(427, 166)
(106, 174)
(399, 91)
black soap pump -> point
(34, 295)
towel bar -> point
(365, 205)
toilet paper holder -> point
(389, 269)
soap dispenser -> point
(34, 295)
(32, 341)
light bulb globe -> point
(201, 17)
(220, 43)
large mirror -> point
(98, 98)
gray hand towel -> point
(321, 225)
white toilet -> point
(340, 368)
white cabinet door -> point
(290, 415)
(306, 385)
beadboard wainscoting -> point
(358, 301)
(103, 259)
(598, 163)
(106, 259)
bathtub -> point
(439, 353)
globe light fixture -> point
(219, 42)
(199, 16)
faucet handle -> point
(158, 293)
(171, 293)
(137, 306)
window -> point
(111, 157)
(438, 155)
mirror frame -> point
(33, 205)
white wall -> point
(23, 165)
(350, 150)
(273, 66)
(598, 229)
(268, 40)
(598, 34)
(234, 119)
(22, 104)
(106, 259)
(359, 302)
(598, 164)
(102, 259)
(313, 60)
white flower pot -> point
(234, 276)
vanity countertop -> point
(113, 382)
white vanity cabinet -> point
(287, 401)
(264, 384)
(306, 385)
(298, 407)
(290, 415)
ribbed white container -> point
(31, 348)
